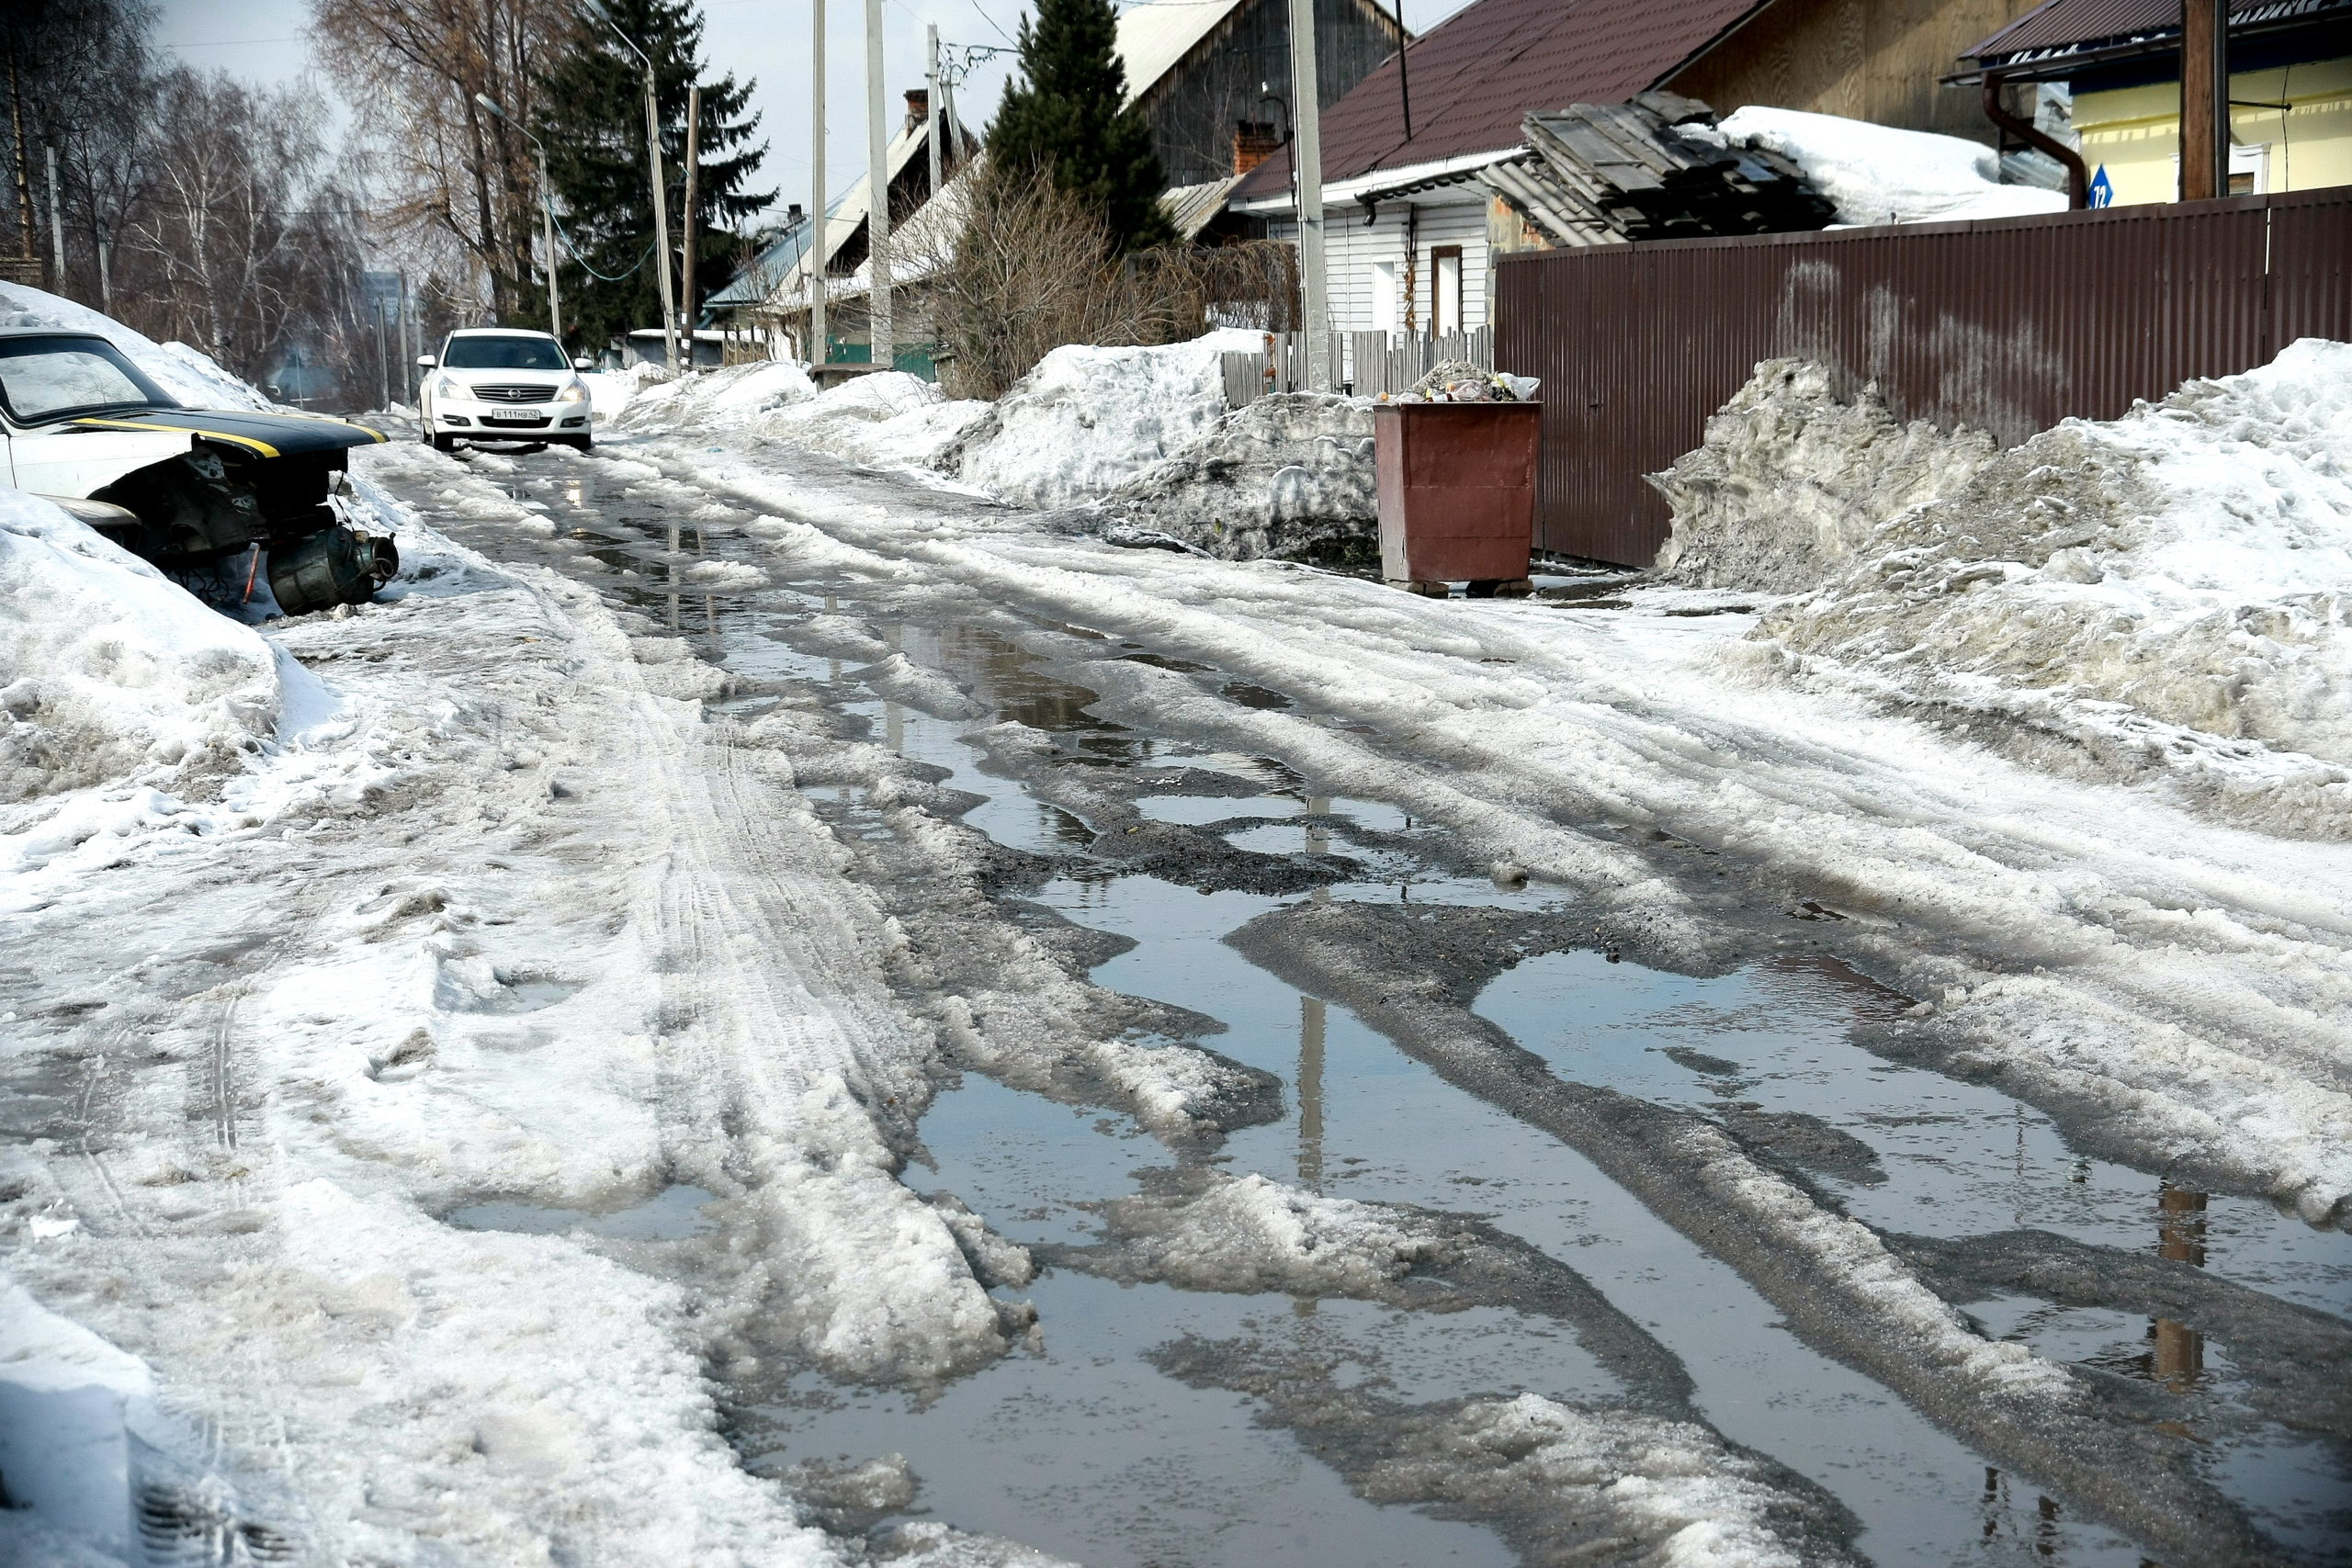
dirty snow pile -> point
(188, 375)
(1088, 419)
(108, 670)
(1793, 478)
(1271, 479)
(2167, 593)
(1879, 174)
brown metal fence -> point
(2008, 325)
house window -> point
(1445, 288)
(1384, 296)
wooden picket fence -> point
(1366, 364)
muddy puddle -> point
(1131, 1432)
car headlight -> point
(443, 387)
(574, 393)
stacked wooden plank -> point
(1651, 169)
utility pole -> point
(56, 227)
(820, 221)
(877, 195)
(2204, 99)
(661, 197)
(383, 358)
(693, 176)
(1307, 159)
(932, 101)
(408, 359)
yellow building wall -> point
(2135, 131)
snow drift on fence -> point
(1271, 478)
(190, 377)
(2168, 593)
(1879, 174)
(107, 669)
(1088, 419)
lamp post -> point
(547, 210)
(660, 197)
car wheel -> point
(584, 443)
(442, 443)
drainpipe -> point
(2078, 180)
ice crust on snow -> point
(108, 670)
(732, 394)
(189, 375)
(1088, 419)
(1251, 1235)
(2168, 593)
(887, 418)
(1878, 174)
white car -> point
(504, 384)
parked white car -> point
(504, 384)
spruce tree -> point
(1067, 115)
(591, 113)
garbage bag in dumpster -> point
(1457, 493)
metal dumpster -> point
(1457, 494)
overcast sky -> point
(764, 40)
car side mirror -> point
(584, 364)
(426, 362)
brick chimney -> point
(918, 106)
(1253, 143)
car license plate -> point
(513, 413)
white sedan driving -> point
(504, 384)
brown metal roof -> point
(1477, 73)
(2064, 26)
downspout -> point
(2078, 179)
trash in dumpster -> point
(1458, 382)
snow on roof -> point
(1154, 37)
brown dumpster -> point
(1457, 494)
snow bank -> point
(731, 395)
(191, 377)
(1879, 174)
(887, 418)
(1087, 419)
(110, 670)
(611, 392)
(2171, 590)
(1271, 479)
(1792, 479)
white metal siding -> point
(1350, 249)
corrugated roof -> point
(1153, 37)
(1477, 73)
(2070, 25)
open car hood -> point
(263, 435)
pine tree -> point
(591, 113)
(1066, 115)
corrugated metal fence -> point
(1368, 363)
(2008, 325)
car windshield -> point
(505, 354)
(54, 377)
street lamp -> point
(547, 210)
(653, 166)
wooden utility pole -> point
(1307, 159)
(694, 179)
(877, 194)
(2204, 99)
(819, 224)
